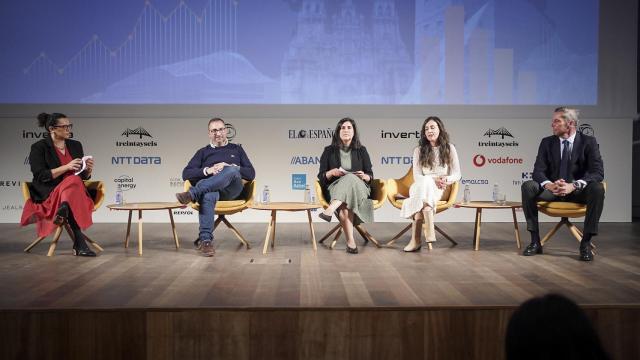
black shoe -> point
(197, 244)
(585, 252)
(533, 249)
(184, 198)
(80, 248)
(324, 217)
(62, 214)
(351, 250)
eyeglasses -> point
(65, 127)
(219, 130)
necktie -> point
(564, 161)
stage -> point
(450, 302)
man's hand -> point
(563, 188)
(216, 168)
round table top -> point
(147, 206)
(285, 206)
(490, 205)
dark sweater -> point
(209, 156)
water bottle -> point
(496, 191)
(266, 198)
(119, 196)
(307, 194)
(467, 194)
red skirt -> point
(71, 190)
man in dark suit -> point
(568, 168)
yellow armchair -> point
(229, 207)
(95, 189)
(398, 190)
(564, 210)
(378, 196)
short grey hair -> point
(569, 114)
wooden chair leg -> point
(552, 231)
(326, 236)
(445, 235)
(335, 239)
(93, 243)
(235, 231)
(366, 235)
(36, 242)
(402, 232)
(54, 242)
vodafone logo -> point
(480, 160)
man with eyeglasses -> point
(217, 172)
(568, 167)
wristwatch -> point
(578, 185)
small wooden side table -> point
(140, 206)
(274, 207)
(479, 205)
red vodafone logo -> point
(479, 160)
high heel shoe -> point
(351, 250)
(62, 214)
(324, 217)
(417, 248)
(80, 248)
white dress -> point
(424, 190)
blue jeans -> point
(225, 185)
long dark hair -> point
(426, 154)
(48, 120)
(355, 141)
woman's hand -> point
(333, 173)
(441, 182)
(90, 164)
(74, 165)
(362, 175)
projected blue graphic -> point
(300, 52)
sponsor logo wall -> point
(146, 157)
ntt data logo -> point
(305, 160)
(480, 160)
(136, 160)
(396, 160)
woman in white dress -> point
(435, 165)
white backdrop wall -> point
(150, 166)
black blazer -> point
(586, 162)
(43, 158)
(330, 159)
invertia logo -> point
(26, 134)
(480, 160)
(399, 134)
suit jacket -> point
(43, 159)
(586, 162)
(330, 159)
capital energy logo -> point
(480, 160)
(305, 160)
(498, 135)
(125, 182)
(137, 135)
(311, 133)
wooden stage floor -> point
(292, 276)
(448, 303)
